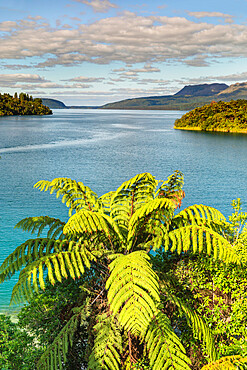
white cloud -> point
(160, 82)
(231, 78)
(33, 81)
(85, 79)
(9, 80)
(7, 26)
(227, 17)
(147, 68)
(15, 66)
(127, 38)
(198, 61)
(98, 6)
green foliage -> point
(56, 354)
(74, 194)
(133, 291)
(228, 363)
(17, 349)
(49, 312)
(24, 105)
(107, 344)
(165, 350)
(222, 116)
(107, 246)
(38, 224)
(217, 291)
(199, 327)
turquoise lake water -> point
(102, 149)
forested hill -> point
(222, 116)
(53, 103)
(187, 98)
(23, 104)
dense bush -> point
(221, 116)
(17, 347)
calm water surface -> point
(102, 149)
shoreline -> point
(188, 128)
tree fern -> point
(110, 238)
(147, 217)
(94, 224)
(133, 291)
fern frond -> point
(130, 196)
(55, 266)
(107, 344)
(199, 214)
(227, 363)
(133, 291)
(55, 355)
(28, 252)
(149, 217)
(172, 188)
(199, 328)
(74, 194)
(165, 351)
(201, 239)
(37, 224)
(105, 201)
(94, 223)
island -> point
(221, 116)
(21, 105)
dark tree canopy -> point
(23, 105)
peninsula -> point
(221, 116)
(21, 105)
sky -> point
(92, 52)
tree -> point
(109, 244)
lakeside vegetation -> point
(222, 116)
(23, 104)
(129, 282)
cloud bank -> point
(127, 38)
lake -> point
(103, 148)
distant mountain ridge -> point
(189, 97)
(202, 90)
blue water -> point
(102, 149)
